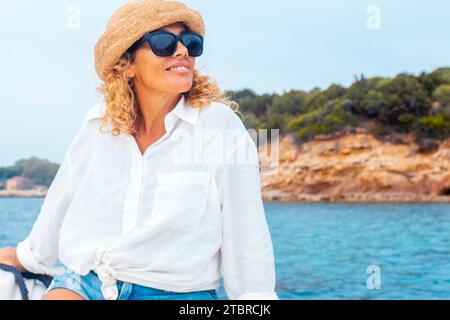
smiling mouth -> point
(179, 70)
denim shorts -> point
(89, 287)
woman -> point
(130, 213)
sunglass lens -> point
(163, 44)
(194, 44)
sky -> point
(49, 81)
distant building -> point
(19, 183)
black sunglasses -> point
(164, 43)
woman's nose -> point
(181, 49)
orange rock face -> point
(357, 167)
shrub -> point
(437, 126)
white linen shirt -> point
(159, 219)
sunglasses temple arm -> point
(135, 45)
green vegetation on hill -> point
(40, 171)
(419, 105)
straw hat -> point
(134, 19)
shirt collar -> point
(186, 112)
(182, 110)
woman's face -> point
(150, 71)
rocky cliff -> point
(358, 167)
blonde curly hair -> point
(122, 109)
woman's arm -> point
(38, 252)
(247, 259)
(8, 256)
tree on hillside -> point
(258, 105)
(332, 117)
(442, 95)
(437, 127)
(431, 81)
(399, 101)
(242, 94)
(358, 92)
(41, 171)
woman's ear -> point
(129, 73)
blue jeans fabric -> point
(89, 287)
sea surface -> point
(331, 250)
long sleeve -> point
(38, 252)
(247, 258)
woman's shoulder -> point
(91, 124)
(96, 111)
(89, 128)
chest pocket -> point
(180, 199)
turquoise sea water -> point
(323, 251)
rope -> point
(20, 278)
(45, 279)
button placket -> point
(132, 200)
(133, 193)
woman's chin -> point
(181, 85)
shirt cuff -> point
(258, 296)
(31, 264)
